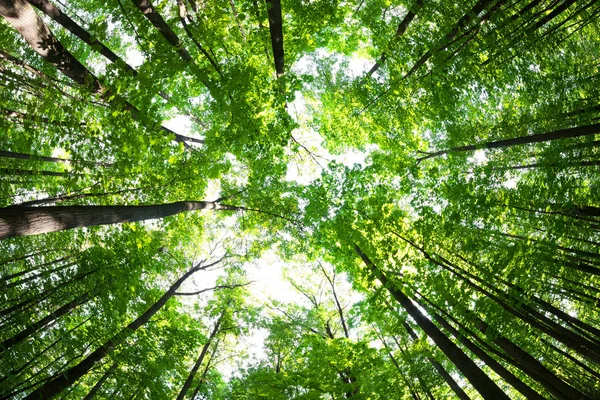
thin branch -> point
(218, 287)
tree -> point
(424, 173)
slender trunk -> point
(553, 165)
(146, 7)
(57, 15)
(482, 383)
(35, 276)
(450, 37)
(100, 382)
(71, 375)
(17, 371)
(23, 18)
(24, 156)
(552, 383)
(205, 372)
(549, 17)
(517, 357)
(536, 319)
(31, 329)
(276, 29)
(194, 370)
(408, 18)
(505, 374)
(24, 221)
(438, 367)
(19, 258)
(34, 268)
(237, 19)
(182, 17)
(30, 172)
(537, 138)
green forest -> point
(300, 199)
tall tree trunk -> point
(205, 372)
(437, 366)
(23, 156)
(540, 137)
(276, 29)
(410, 15)
(551, 382)
(146, 7)
(183, 15)
(505, 374)
(57, 15)
(71, 375)
(450, 37)
(194, 370)
(24, 221)
(4, 280)
(23, 18)
(31, 329)
(480, 381)
(100, 382)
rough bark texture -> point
(23, 18)
(24, 221)
(480, 381)
(276, 28)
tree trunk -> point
(24, 221)
(550, 381)
(57, 15)
(540, 137)
(438, 367)
(276, 29)
(399, 32)
(451, 36)
(505, 374)
(23, 18)
(31, 329)
(100, 382)
(23, 156)
(146, 7)
(205, 372)
(194, 370)
(71, 375)
(482, 383)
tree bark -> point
(480, 381)
(24, 221)
(540, 137)
(23, 18)
(505, 374)
(438, 367)
(276, 29)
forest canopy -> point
(299, 199)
